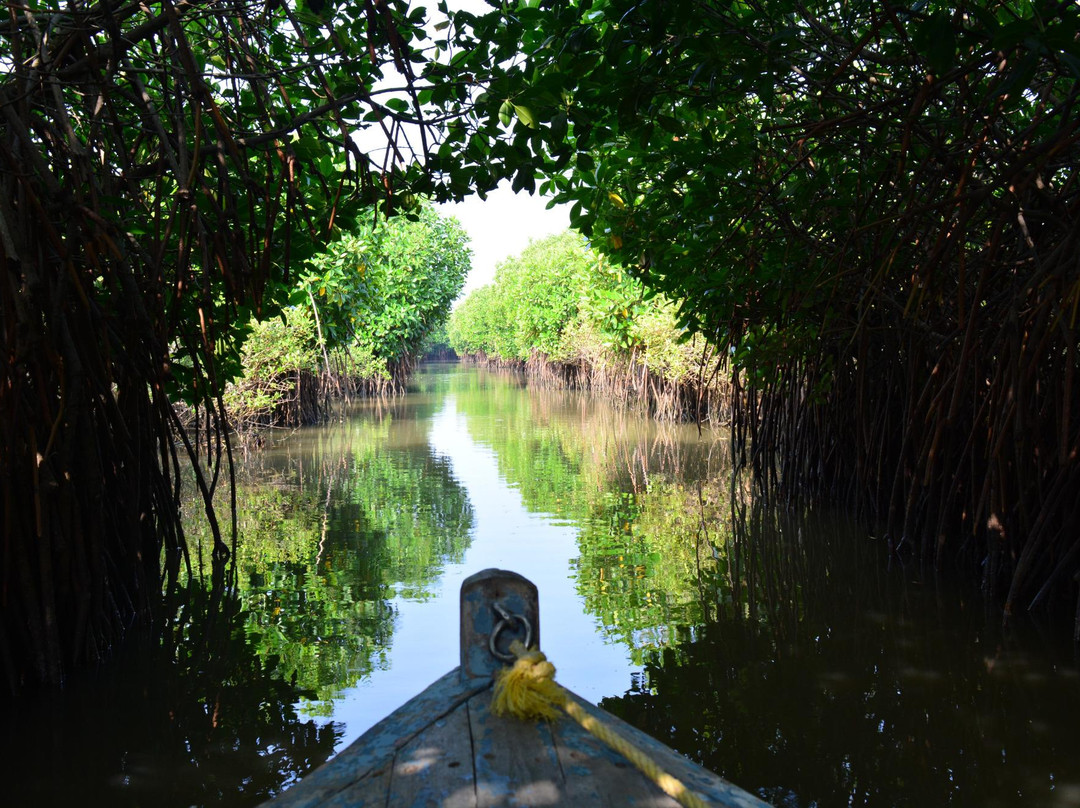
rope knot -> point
(527, 689)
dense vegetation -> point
(365, 312)
(871, 207)
(165, 170)
(564, 312)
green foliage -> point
(386, 287)
(474, 326)
(370, 302)
(532, 299)
(340, 283)
(767, 165)
(421, 270)
(274, 355)
(564, 301)
(613, 302)
(541, 287)
(364, 363)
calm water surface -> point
(778, 647)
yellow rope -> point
(528, 690)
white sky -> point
(502, 226)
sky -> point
(502, 226)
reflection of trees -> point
(556, 443)
(202, 719)
(335, 524)
(648, 541)
(779, 648)
(528, 432)
(823, 678)
(650, 562)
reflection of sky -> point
(505, 535)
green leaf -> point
(525, 115)
(506, 113)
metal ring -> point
(506, 619)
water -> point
(780, 648)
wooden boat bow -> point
(446, 748)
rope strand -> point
(527, 690)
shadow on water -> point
(824, 677)
(196, 718)
(779, 647)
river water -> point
(780, 647)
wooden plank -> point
(598, 776)
(370, 792)
(515, 761)
(373, 752)
(435, 769)
(574, 745)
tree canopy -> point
(873, 206)
(164, 167)
(562, 308)
(528, 305)
(360, 317)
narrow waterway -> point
(779, 647)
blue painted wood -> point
(436, 767)
(478, 618)
(374, 751)
(515, 761)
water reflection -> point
(335, 524)
(196, 718)
(826, 678)
(777, 646)
(649, 522)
